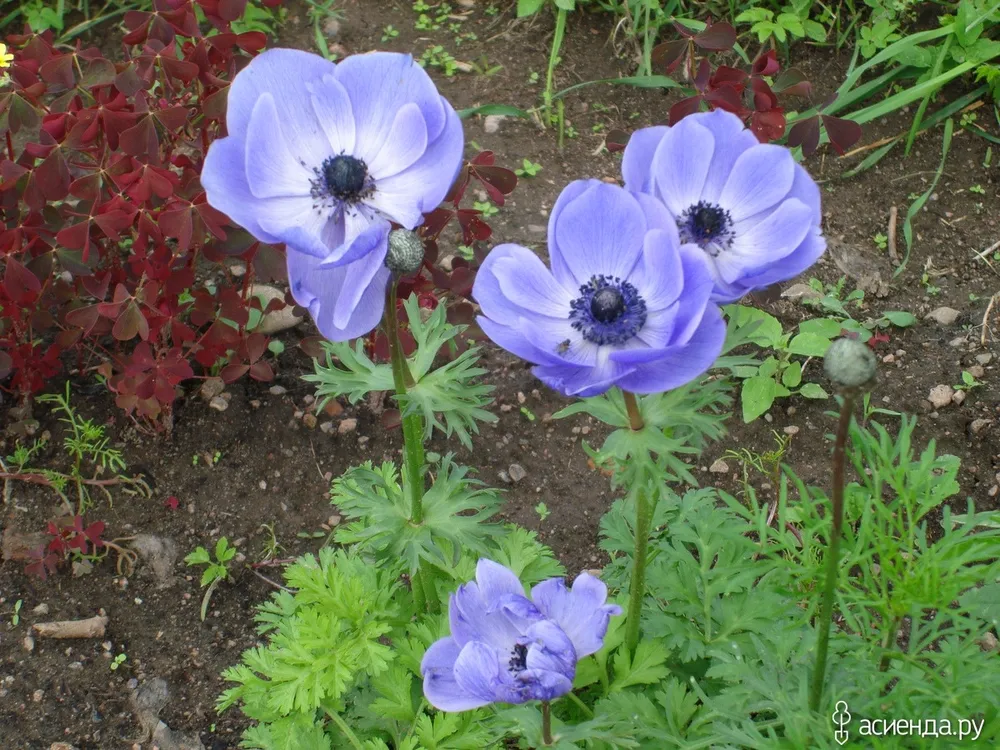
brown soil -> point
(272, 469)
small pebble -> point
(347, 425)
(521, 398)
(719, 467)
(977, 371)
(940, 396)
(956, 342)
(28, 643)
(326, 427)
(978, 425)
(984, 359)
(517, 472)
(944, 316)
(889, 359)
(277, 390)
(958, 398)
(218, 403)
(37, 696)
(41, 609)
(309, 420)
(791, 430)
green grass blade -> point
(493, 109)
(908, 96)
(872, 159)
(639, 82)
(925, 102)
(918, 204)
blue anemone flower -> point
(325, 158)
(626, 303)
(753, 211)
(507, 648)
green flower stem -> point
(417, 587)
(343, 727)
(581, 705)
(546, 724)
(413, 430)
(833, 554)
(643, 519)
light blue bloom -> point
(754, 212)
(507, 648)
(625, 304)
(325, 158)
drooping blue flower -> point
(507, 648)
(325, 157)
(754, 212)
(625, 303)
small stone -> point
(262, 484)
(492, 123)
(333, 520)
(61, 746)
(347, 425)
(958, 398)
(277, 390)
(326, 427)
(37, 696)
(504, 477)
(988, 642)
(41, 609)
(956, 342)
(768, 418)
(791, 430)
(28, 643)
(719, 467)
(277, 320)
(977, 371)
(585, 430)
(238, 270)
(978, 425)
(889, 359)
(309, 420)
(944, 316)
(218, 403)
(801, 292)
(333, 408)
(940, 396)
(521, 398)
(506, 407)
(984, 359)
(994, 490)
(517, 472)
(211, 388)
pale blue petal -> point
(272, 170)
(600, 232)
(527, 283)
(661, 277)
(288, 75)
(767, 240)
(479, 674)
(680, 164)
(440, 687)
(226, 189)
(470, 619)
(731, 138)
(496, 581)
(318, 291)
(557, 254)
(550, 649)
(760, 179)
(379, 84)
(335, 114)
(676, 365)
(802, 258)
(421, 187)
(581, 612)
(541, 685)
(638, 157)
(406, 143)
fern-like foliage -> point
(320, 639)
(456, 510)
(450, 398)
(676, 423)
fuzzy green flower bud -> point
(849, 363)
(406, 252)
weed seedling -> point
(120, 659)
(978, 189)
(528, 169)
(528, 414)
(968, 382)
(881, 241)
(15, 614)
(215, 571)
(486, 208)
(389, 33)
(543, 511)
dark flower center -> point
(708, 225)
(519, 659)
(344, 176)
(608, 311)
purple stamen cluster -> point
(608, 311)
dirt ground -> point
(259, 462)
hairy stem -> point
(643, 518)
(413, 430)
(833, 554)
(546, 723)
(343, 727)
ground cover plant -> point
(852, 599)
